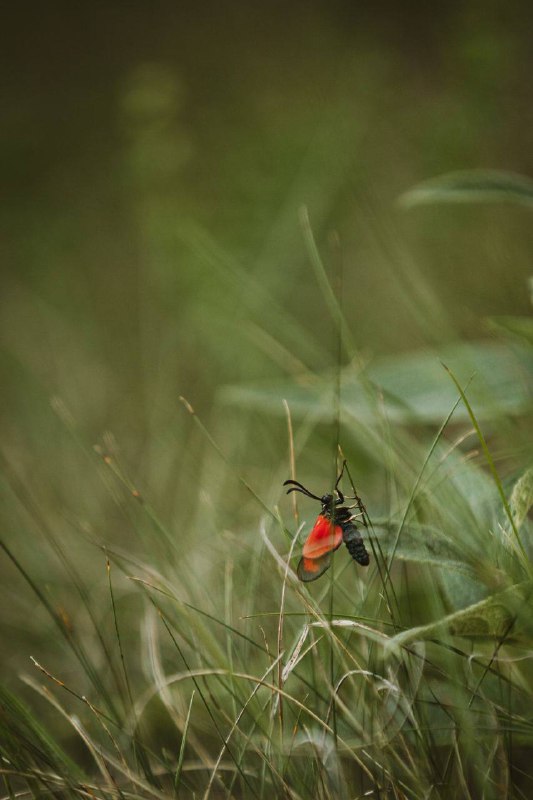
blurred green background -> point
(155, 159)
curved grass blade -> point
(471, 186)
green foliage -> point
(29, 749)
(156, 640)
(410, 676)
(482, 186)
(414, 387)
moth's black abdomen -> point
(355, 544)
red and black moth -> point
(334, 525)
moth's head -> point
(329, 501)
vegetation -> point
(168, 364)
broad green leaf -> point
(522, 497)
(518, 326)
(425, 545)
(471, 186)
(411, 388)
(492, 618)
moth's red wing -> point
(309, 569)
(324, 538)
(319, 545)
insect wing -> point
(309, 569)
(324, 538)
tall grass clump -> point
(159, 643)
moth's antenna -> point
(297, 487)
